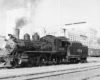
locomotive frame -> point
(48, 50)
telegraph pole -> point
(59, 13)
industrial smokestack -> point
(16, 32)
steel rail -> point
(52, 73)
(62, 72)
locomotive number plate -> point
(79, 50)
(61, 48)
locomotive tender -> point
(47, 50)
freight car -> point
(47, 50)
(94, 52)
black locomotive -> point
(46, 50)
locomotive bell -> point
(16, 32)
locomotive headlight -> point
(10, 46)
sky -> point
(52, 13)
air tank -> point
(35, 37)
(26, 37)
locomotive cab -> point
(62, 44)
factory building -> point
(92, 34)
(86, 37)
(75, 34)
(82, 33)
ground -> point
(84, 75)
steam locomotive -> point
(47, 50)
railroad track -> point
(3, 67)
(41, 75)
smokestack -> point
(16, 32)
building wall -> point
(78, 35)
(86, 37)
(93, 38)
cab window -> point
(63, 43)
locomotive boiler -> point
(46, 50)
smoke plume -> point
(11, 3)
(21, 22)
(32, 5)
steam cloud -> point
(33, 6)
(21, 22)
(11, 3)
